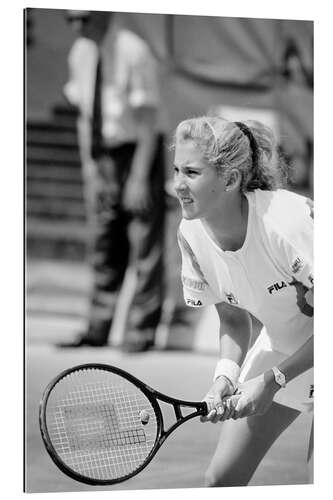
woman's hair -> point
(247, 146)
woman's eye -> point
(188, 172)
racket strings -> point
(95, 427)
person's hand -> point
(255, 396)
(220, 406)
(136, 197)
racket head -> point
(100, 424)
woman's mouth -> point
(185, 200)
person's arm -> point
(137, 195)
(146, 144)
(256, 395)
(297, 363)
(235, 333)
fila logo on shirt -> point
(304, 297)
(282, 284)
(276, 287)
(193, 302)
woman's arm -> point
(294, 365)
(302, 359)
(257, 394)
(235, 333)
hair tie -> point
(253, 143)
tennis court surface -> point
(186, 453)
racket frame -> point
(152, 395)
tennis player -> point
(246, 246)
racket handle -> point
(204, 408)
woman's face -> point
(198, 186)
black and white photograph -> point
(168, 236)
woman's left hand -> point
(256, 396)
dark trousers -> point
(119, 238)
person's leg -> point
(310, 456)
(243, 443)
(110, 249)
(147, 248)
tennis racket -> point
(101, 425)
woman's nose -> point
(179, 183)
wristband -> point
(229, 369)
(232, 387)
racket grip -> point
(204, 408)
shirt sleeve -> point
(196, 289)
(298, 248)
(144, 85)
(79, 88)
(71, 87)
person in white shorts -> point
(247, 247)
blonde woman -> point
(246, 247)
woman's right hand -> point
(220, 407)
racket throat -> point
(178, 412)
(180, 419)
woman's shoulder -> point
(190, 233)
(277, 197)
(282, 211)
(281, 204)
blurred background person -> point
(114, 83)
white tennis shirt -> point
(270, 276)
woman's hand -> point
(255, 396)
(219, 405)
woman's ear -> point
(234, 180)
